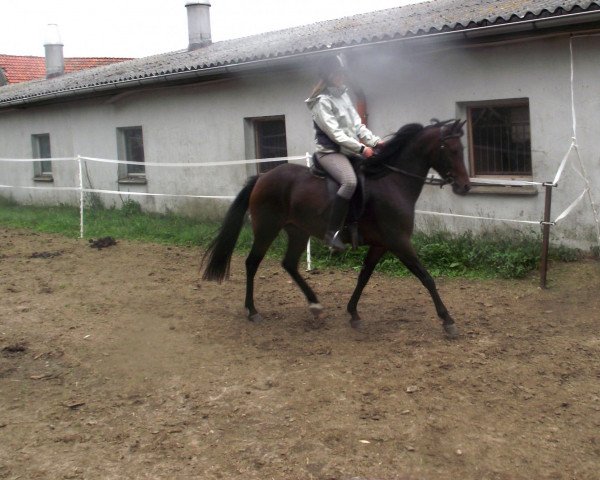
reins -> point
(428, 180)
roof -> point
(19, 69)
(433, 18)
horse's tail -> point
(221, 248)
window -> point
(131, 148)
(500, 139)
(269, 141)
(42, 171)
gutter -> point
(465, 33)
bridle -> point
(447, 179)
(429, 179)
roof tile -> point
(19, 69)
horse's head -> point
(446, 155)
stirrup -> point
(334, 243)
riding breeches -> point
(339, 167)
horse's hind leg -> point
(408, 256)
(297, 240)
(263, 238)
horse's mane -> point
(392, 148)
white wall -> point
(205, 123)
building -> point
(523, 74)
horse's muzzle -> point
(461, 188)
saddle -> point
(357, 202)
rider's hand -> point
(368, 152)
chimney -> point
(198, 14)
(55, 62)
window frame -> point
(253, 148)
(509, 103)
(42, 170)
(128, 173)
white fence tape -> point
(571, 207)
(29, 160)
(561, 167)
(144, 194)
(306, 158)
(73, 189)
(423, 212)
(205, 164)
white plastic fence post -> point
(308, 255)
(80, 197)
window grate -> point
(500, 140)
(270, 142)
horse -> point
(292, 198)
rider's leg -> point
(339, 167)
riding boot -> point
(336, 223)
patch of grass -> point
(57, 219)
(488, 255)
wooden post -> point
(546, 235)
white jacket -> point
(335, 116)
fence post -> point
(80, 196)
(546, 224)
(308, 252)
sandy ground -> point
(118, 363)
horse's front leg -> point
(408, 256)
(370, 262)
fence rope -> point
(424, 212)
(196, 164)
(81, 159)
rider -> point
(339, 132)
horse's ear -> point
(458, 126)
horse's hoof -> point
(316, 309)
(356, 324)
(451, 330)
(256, 318)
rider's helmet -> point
(331, 65)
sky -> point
(139, 28)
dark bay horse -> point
(290, 197)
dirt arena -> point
(119, 364)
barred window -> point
(270, 140)
(500, 140)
